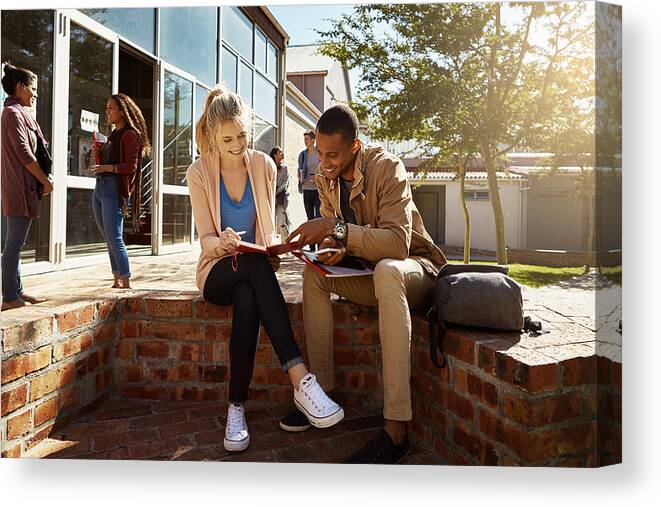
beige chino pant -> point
(397, 286)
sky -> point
(300, 21)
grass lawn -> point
(538, 276)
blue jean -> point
(110, 221)
(17, 233)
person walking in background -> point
(308, 162)
(118, 176)
(232, 193)
(24, 181)
(282, 224)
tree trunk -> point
(467, 218)
(499, 222)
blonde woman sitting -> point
(232, 192)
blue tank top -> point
(240, 216)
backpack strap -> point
(436, 335)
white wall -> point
(483, 233)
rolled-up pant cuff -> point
(292, 362)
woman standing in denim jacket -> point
(118, 179)
(23, 179)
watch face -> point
(340, 231)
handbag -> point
(475, 295)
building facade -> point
(166, 59)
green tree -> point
(461, 78)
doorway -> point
(136, 79)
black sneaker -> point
(295, 421)
(381, 451)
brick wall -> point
(54, 369)
(499, 401)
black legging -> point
(255, 295)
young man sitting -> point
(367, 211)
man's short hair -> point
(310, 134)
(339, 119)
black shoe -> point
(381, 451)
(295, 421)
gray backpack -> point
(475, 295)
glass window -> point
(200, 96)
(90, 85)
(177, 213)
(265, 99)
(237, 31)
(260, 50)
(245, 83)
(83, 235)
(21, 47)
(228, 74)
(136, 25)
(265, 136)
(189, 40)
(272, 62)
(178, 122)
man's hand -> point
(48, 187)
(331, 258)
(313, 231)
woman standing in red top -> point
(23, 180)
(118, 179)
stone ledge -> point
(503, 398)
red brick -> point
(135, 328)
(68, 398)
(188, 427)
(105, 332)
(163, 307)
(145, 392)
(39, 436)
(460, 378)
(610, 406)
(459, 346)
(133, 305)
(220, 332)
(264, 354)
(482, 451)
(295, 312)
(133, 373)
(21, 335)
(153, 349)
(493, 426)
(25, 364)
(125, 349)
(453, 457)
(343, 336)
(13, 399)
(206, 310)
(45, 411)
(106, 441)
(68, 347)
(12, 452)
(617, 375)
(484, 391)
(367, 336)
(177, 330)
(77, 317)
(67, 374)
(579, 371)
(106, 308)
(44, 384)
(102, 381)
(461, 406)
(19, 425)
(280, 395)
(568, 440)
(197, 352)
(538, 412)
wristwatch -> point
(340, 230)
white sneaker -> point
(311, 399)
(236, 429)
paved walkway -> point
(192, 431)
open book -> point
(349, 266)
(272, 250)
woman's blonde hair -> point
(220, 105)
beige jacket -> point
(390, 226)
(204, 184)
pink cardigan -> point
(203, 178)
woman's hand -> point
(48, 187)
(98, 169)
(229, 240)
